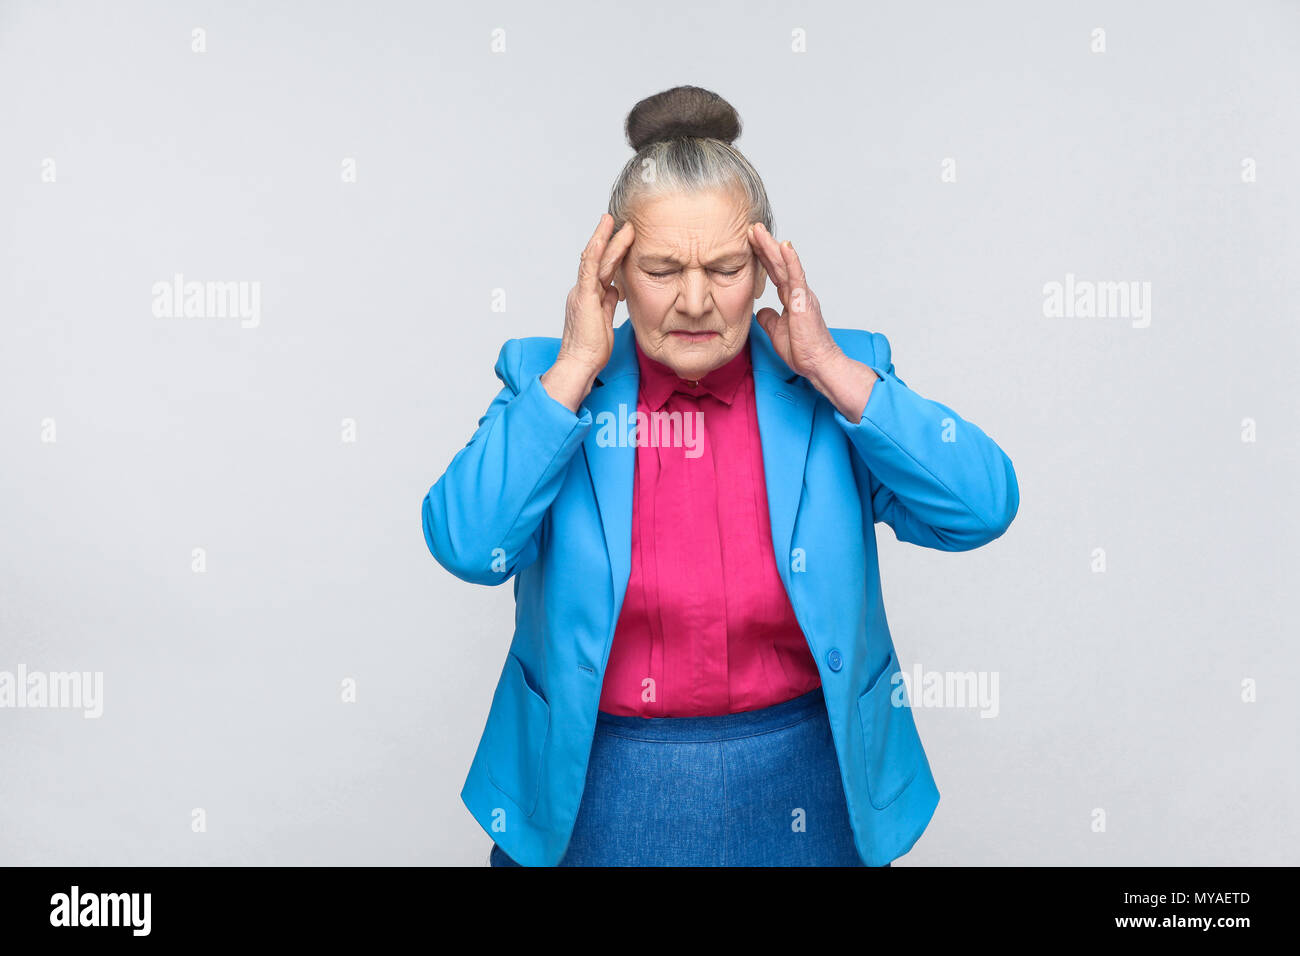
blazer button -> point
(833, 659)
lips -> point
(693, 336)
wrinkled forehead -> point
(691, 222)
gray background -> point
(481, 171)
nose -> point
(696, 296)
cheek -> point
(650, 302)
(650, 292)
(735, 299)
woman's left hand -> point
(799, 333)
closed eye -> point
(722, 272)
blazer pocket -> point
(890, 741)
(516, 735)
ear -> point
(760, 279)
(617, 283)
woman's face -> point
(690, 279)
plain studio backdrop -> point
(220, 515)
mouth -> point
(693, 336)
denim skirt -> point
(757, 788)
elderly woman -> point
(701, 671)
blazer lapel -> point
(611, 454)
(785, 403)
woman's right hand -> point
(588, 336)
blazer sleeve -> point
(936, 479)
(482, 518)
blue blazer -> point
(543, 497)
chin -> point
(693, 364)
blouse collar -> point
(658, 381)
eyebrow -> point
(738, 256)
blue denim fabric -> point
(725, 790)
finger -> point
(770, 253)
(800, 294)
(615, 251)
(760, 250)
(589, 264)
(767, 319)
(793, 267)
(773, 264)
(768, 270)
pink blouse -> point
(706, 627)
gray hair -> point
(682, 139)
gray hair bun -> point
(683, 111)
